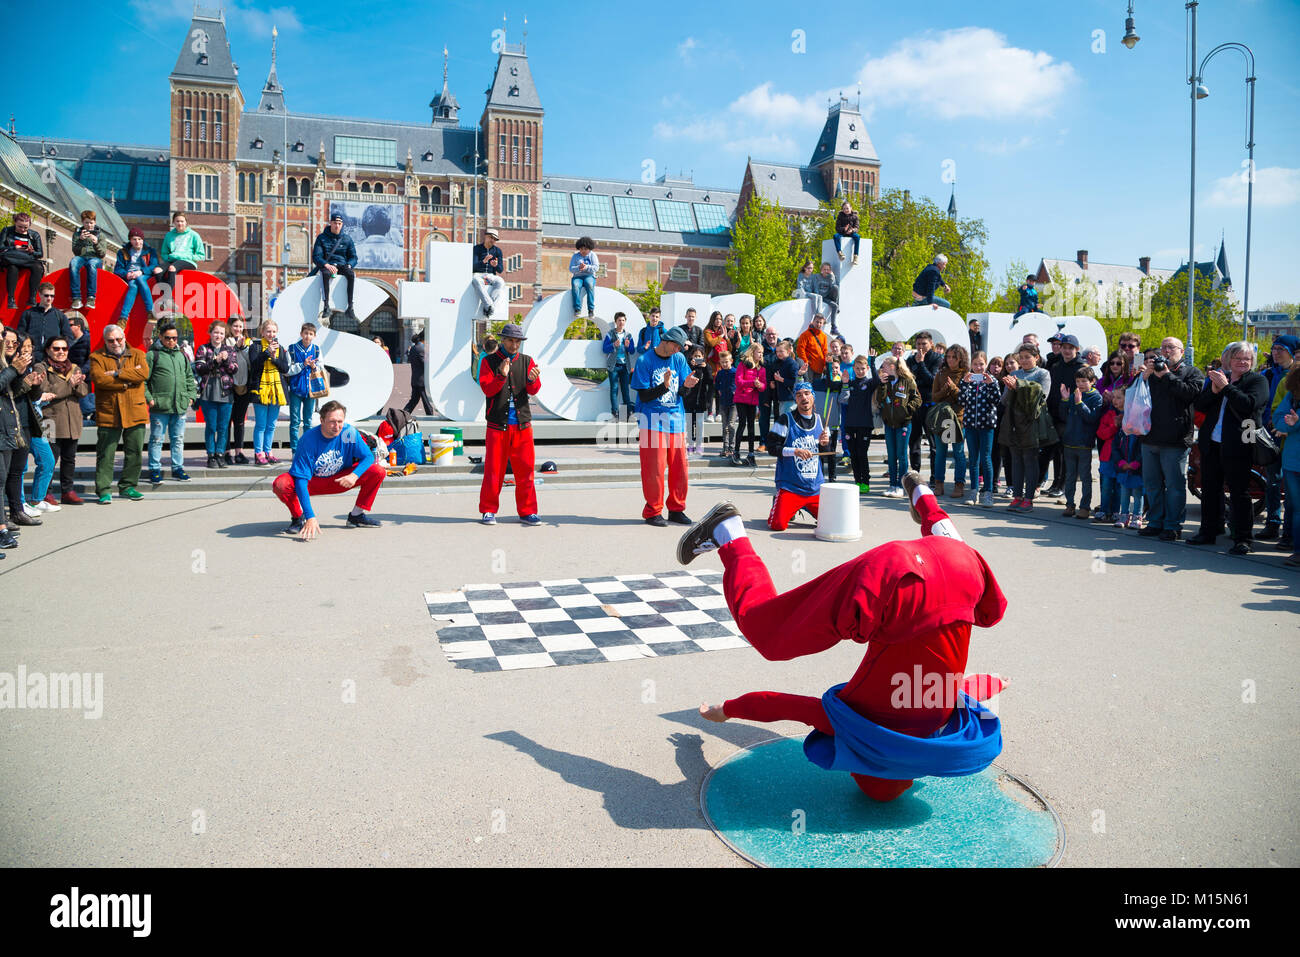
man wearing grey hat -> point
(659, 377)
(508, 378)
(487, 272)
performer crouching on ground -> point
(796, 438)
(913, 603)
(508, 378)
(331, 458)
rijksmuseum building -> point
(257, 180)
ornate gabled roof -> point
(205, 55)
(512, 85)
(790, 187)
(844, 137)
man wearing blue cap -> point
(1284, 350)
(796, 439)
(658, 379)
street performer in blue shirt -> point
(331, 458)
(796, 439)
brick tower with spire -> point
(206, 106)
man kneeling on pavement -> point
(331, 458)
(796, 439)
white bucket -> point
(837, 513)
(441, 449)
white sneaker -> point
(45, 506)
(30, 511)
(971, 500)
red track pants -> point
(515, 444)
(796, 623)
(662, 451)
(367, 486)
(786, 504)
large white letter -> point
(370, 371)
(545, 325)
(448, 305)
(790, 317)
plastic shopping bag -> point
(1137, 408)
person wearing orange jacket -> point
(508, 378)
(814, 348)
(119, 373)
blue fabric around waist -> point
(966, 744)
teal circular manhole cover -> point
(775, 808)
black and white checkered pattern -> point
(576, 621)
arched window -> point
(241, 187)
(437, 196)
(293, 187)
(424, 196)
(352, 186)
(305, 189)
(365, 187)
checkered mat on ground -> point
(575, 621)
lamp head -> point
(1202, 91)
(1130, 34)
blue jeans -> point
(1273, 514)
(91, 265)
(44, 457)
(1078, 466)
(896, 453)
(216, 423)
(1292, 480)
(577, 286)
(301, 408)
(1109, 502)
(839, 241)
(979, 448)
(174, 425)
(137, 286)
(264, 419)
(618, 378)
(941, 461)
(1164, 482)
(88, 406)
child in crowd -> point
(1129, 466)
(696, 400)
(751, 384)
(303, 358)
(785, 374)
(1082, 415)
(1107, 458)
(898, 398)
(725, 384)
(980, 396)
(858, 419)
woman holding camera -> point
(268, 364)
(1233, 402)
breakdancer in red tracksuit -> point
(508, 378)
(912, 603)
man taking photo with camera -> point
(1174, 385)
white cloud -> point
(957, 73)
(685, 47)
(967, 72)
(779, 109)
(757, 123)
(1274, 186)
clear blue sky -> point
(1055, 146)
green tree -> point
(762, 258)
(650, 298)
(1007, 299)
